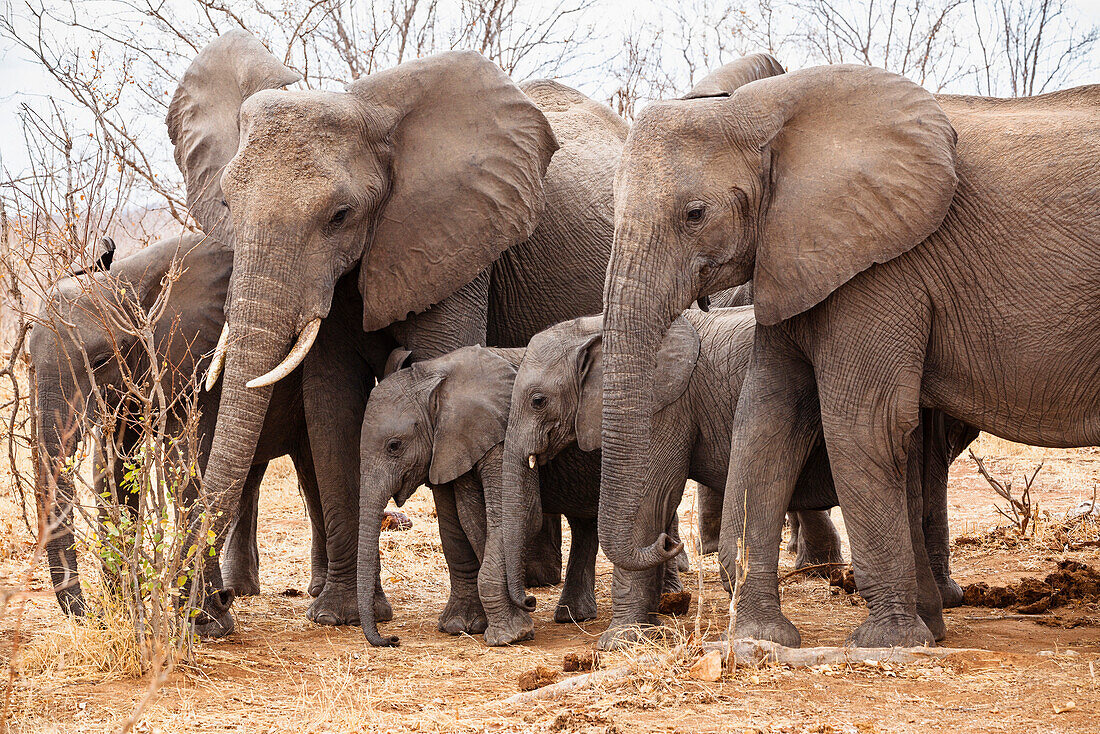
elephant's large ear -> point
(468, 155)
(676, 361)
(589, 421)
(722, 81)
(862, 169)
(468, 409)
(202, 118)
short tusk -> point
(531, 461)
(218, 361)
(297, 354)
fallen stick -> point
(749, 652)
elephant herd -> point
(801, 290)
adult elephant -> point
(361, 217)
(83, 358)
(878, 225)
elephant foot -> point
(337, 605)
(706, 546)
(818, 561)
(576, 608)
(213, 628)
(951, 593)
(792, 544)
(892, 631)
(542, 574)
(317, 582)
(516, 626)
(463, 614)
(671, 583)
(683, 563)
(624, 636)
(933, 620)
(774, 627)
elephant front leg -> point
(544, 553)
(578, 596)
(318, 549)
(817, 544)
(774, 429)
(241, 556)
(464, 612)
(634, 599)
(709, 504)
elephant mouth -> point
(403, 494)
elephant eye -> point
(339, 216)
(225, 203)
(100, 362)
(538, 401)
(695, 212)
(393, 445)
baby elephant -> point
(442, 422)
(557, 400)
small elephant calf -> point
(442, 422)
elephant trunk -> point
(263, 304)
(521, 515)
(372, 503)
(636, 317)
(58, 436)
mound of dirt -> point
(674, 603)
(1072, 581)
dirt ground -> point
(278, 672)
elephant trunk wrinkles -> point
(521, 511)
(58, 437)
(372, 503)
(635, 320)
(261, 317)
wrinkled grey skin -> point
(802, 183)
(442, 422)
(556, 404)
(186, 333)
(379, 210)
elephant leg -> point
(929, 601)
(464, 612)
(544, 553)
(709, 521)
(775, 428)
(818, 542)
(792, 521)
(241, 556)
(671, 580)
(682, 562)
(634, 599)
(945, 439)
(318, 551)
(334, 429)
(578, 596)
(870, 412)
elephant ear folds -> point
(398, 359)
(722, 81)
(203, 113)
(676, 361)
(862, 170)
(589, 420)
(468, 153)
(468, 409)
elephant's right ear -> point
(589, 420)
(202, 118)
(722, 81)
(468, 152)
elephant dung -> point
(707, 668)
(537, 677)
(574, 662)
(674, 603)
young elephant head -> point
(425, 424)
(418, 176)
(796, 181)
(82, 355)
(558, 400)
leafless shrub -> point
(1022, 511)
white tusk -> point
(531, 461)
(218, 360)
(297, 354)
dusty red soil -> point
(279, 672)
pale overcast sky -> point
(22, 81)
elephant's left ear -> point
(676, 360)
(862, 169)
(722, 81)
(468, 409)
(203, 118)
(468, 152)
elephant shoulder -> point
(572, 114)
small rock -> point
(707, 668)
(1067, 706)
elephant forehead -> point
(389, 407)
